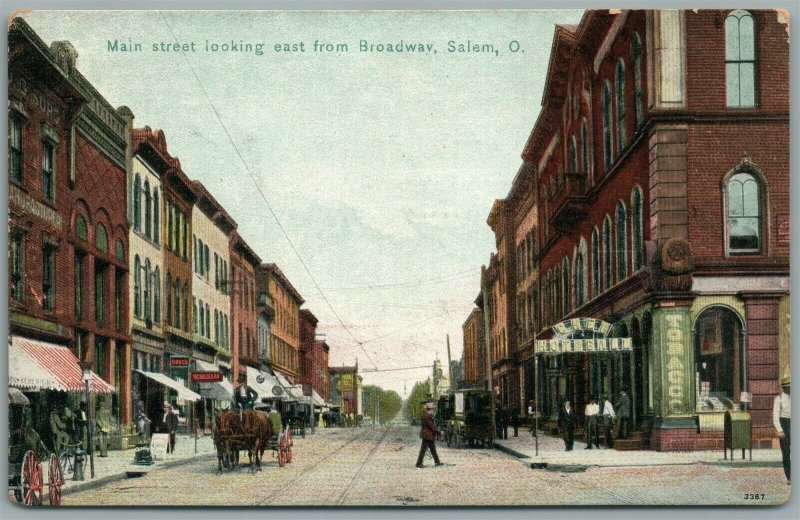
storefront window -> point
(718, 355)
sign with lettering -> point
(675, 368)
(572, 326)
(25, 202)
(158, 445)
(206, 377)
(583, 346)
(179, 362)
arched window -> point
(622, 139)
(148, 221)
(637, 228)
(579, 279)
(156, 216)
(719, 355)
(608, 140)
(157, 296)
(606, 254)
(585, 148)
(622, 241)
(740, 59)
(595, 262)
(148, 288)
(638, 94)
(101, 238)
(185, 307)
(137, 203)
(137, 287)
(80, 228)
(744, 222)
(120, 251)
(565, 283)
(573, 155)
(168, 287)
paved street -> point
(376, 467)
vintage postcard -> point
(399, 258)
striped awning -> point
(37, 365)
(184, 394)
(581, 346)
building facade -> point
(662, 174)
(345, 389)
(474, 356)
(244, 262)
(68, 275)
(284, 330)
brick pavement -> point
(552, 453)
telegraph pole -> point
(449, 365)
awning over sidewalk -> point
(268, 388)
(217, 390)
(183, 393)
(317, 399)
(36, 365)
(293, 392)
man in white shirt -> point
(781, 417)
(608, 420)
(592, 435)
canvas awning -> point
(293, 392)
(581, 346)
(317, 399)
(184, 393)
(15, 396)
(37, 365)
(268, 388)
(217, 390)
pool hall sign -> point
(582, 335)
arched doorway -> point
(720, 363)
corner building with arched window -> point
(660, 169)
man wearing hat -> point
(781, 417)
(428, 433)
(624, 414)
(169, 424)
(243, 395)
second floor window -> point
(17, 266)
(744, 213)
(49, 176)
(15, 148)
(48, 278)
(740, 59)
(622, 242)
(608, 142)
(622, 139)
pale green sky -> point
(381, 167)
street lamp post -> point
(86, 367)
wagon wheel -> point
(31, 480)
(55, 480)
(281, 451)
(289, 441)
(289, 450)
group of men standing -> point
(503, 419)
(594, 414)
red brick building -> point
(68, 239)
(244, 262)
(313, 356)
(474, 356)
(660, 164)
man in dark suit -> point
(624, 415)
(169, 424)
(567, 421)
(428, 433)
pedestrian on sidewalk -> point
(592, 434)
(781, 419)
(608, 421)
(428, 433)
(515, 421)
(500, 422)
(567, 421)
(169, 425)
(624, 415)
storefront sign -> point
(158, 445)
(675, 367)
(207, 377)
(568, 327)
(179, 362)
(22, 200)
(579, 346)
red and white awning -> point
(36, 365)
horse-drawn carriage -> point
(253, 431)
(297, 416)
(25, 449)
(470, 423)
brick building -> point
(474, 356)
(345, 389)
(244, 262)
(284, 329)
(68, 239)
(661, 174)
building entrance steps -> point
(552, 455)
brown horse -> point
(257, 426)
(228, 423)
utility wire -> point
(263, 197)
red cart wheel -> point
(55, 480)
(281, 451)
(289, 455)
(31, 480)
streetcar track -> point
(345, 494)
(269, 499)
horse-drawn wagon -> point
(253, 431)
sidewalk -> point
(118, 463)
(552, 455)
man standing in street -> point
(781, 418)
(515, 421)
(169, 424)
(567, 421)
(624, 414)
(592, 435)
(608, 420)
(428, 433)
